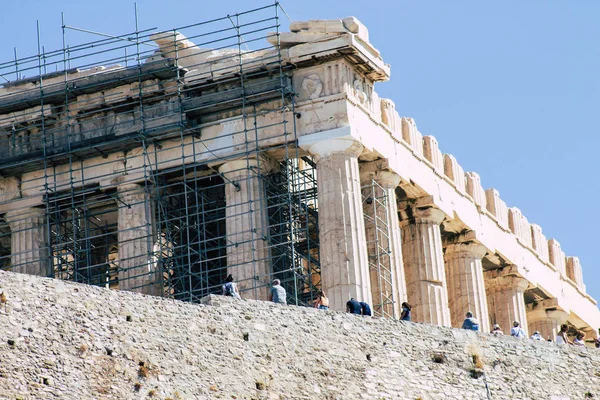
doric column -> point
(506, 303)
(424, 265)
(29, 241)
(466, 288)
(246, 227)
(546, 317)
(342, 241)
(137, 270)
(384, 241)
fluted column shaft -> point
(506, 303)
(466, 288)
(342, 240)
(424, 265)
(29, 241)
(247, 228)
(384, 245)
(546, 317)
(137, 270)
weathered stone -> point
(138, 272)
(29, 241)
(424, 265)
(466, 289)
(344, 265)
(290, 350)
(246, 224)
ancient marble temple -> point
(437, 240)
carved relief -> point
(388, 113)
(313, 86)
(359, 91)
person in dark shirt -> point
(365, 309)
(353, 307)
(405, 316)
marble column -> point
(424, 265)
(247, 228)
(137, 270)
(546, 317)
(342, 240)
(466, 288)
(384, 242)
(506, 303)
(29, 241)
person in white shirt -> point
(579, 339)
(496, 331)
(517, 331)
(536, 336)
(562, 337)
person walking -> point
(517, 331)
(322, 302)
(405, 315)
(470, 322)
(353, 307)
(230, 288)
(278, 293)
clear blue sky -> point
(510, 88)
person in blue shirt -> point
(517, 331)
(278, 293)
(353, 307)
(365, 309)
(470, 322)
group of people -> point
(562, 338)
(278, 295)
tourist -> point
(405, 315)
(322, 302)
(470, 322)
(562, 337)
(496, 331)
(230, 288)
(597, 340)
(517, 331)
(365, 309)
(278, 294)
(579, 339)
(536, 336)
(353, 307)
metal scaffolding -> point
(112, 164)
(377, 228)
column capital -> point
(346, 146)
(547, 309)
(128, 187)
(12, 216)
(243, 165)
(557, 316)
(500, 280)
(387, 179)
(418, 215)
(471, 249)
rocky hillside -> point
(69, 341)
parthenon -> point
(233, 147)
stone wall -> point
(69, 341)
